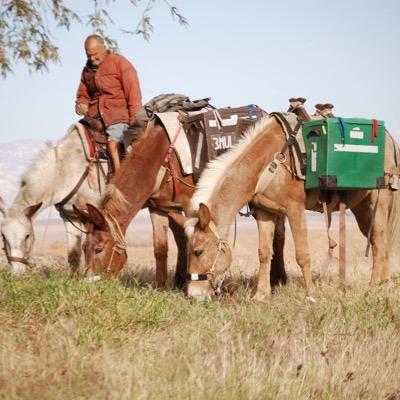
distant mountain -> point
(15, 158)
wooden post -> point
(342, 241)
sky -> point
(346, 52)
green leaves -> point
(25, 35)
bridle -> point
(119, 240)
(21, 260)
(11, 259)
(222, 244)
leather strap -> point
(67, 198)
(17, 259)
(291, 141)
(197, 277)
(169, 155)
(374, 130)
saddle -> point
(95, 134)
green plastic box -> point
(345, 153)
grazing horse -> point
(50, 179)
(131, 189)
(233, 179)
(54, 177)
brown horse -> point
(132, 189)
(235, 178)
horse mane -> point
(115, 202)
(31, 183)
(216, 169)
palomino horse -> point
(54, 177)
(232, 180)
(132, 188)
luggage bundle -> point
(345, 153)
(213, 132)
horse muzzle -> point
(200, 290)
(18, 264)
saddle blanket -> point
(171, 124)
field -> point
(62, 338)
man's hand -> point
(81, 109)
(132, 122)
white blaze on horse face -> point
(18, 238)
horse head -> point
(18, 235)
(209, 255)
(104, 246)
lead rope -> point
(118, 236)
(221, 243)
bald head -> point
(96, 50)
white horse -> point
(52, 178)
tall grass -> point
(61, 338)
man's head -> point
(96, 50)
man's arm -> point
(82, 98)
(131, 88)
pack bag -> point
(174, 102)
(345, 153)
(215, 131)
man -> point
(109, 90)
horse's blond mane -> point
(217, 168)
(115, 202)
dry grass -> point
(62, 338)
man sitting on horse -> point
(109, 90)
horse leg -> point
(74, 244)
(181, 262)
(160, 245)
(298, 224)
(278, 274)
(379, 240)
(266, 227)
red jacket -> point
(112, 91)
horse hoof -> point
(261, 299)
(92, 279)
(311, 300)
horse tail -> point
(394, 230)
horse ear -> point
(178, 218)
(83, 216)
(3, 207)
(204, 216)
(96, 216)
(31, 210)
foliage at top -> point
(25, 35)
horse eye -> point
(198, 253)
(27, 237)
(98, 250)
